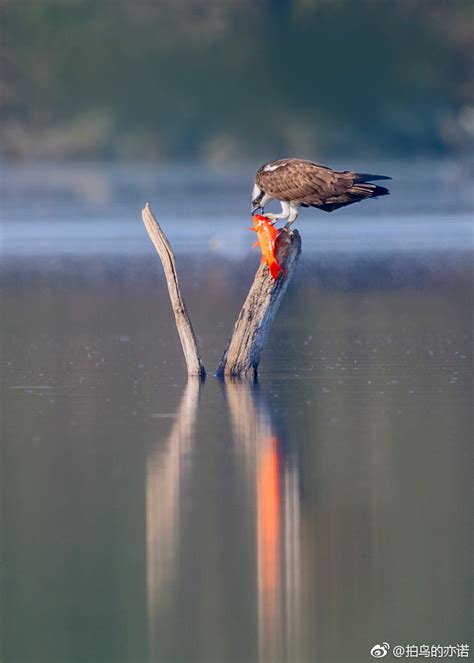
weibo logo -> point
(379, 651)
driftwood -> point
(243, 352)
(244, 349)
(183, 323)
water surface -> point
(305, 518)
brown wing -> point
(303, 181)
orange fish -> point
(267, 234)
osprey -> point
(298, 182)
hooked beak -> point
(255, 209)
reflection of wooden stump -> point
(164, 476)
(242, 355)
(243, 352)
(272, 478)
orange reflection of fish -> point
(268, 512)
(267, 235)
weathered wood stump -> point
(242, 355)
(244, 350)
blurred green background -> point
(219, 80)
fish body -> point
(267, 235)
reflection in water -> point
(164, 475)
(268, 481)
(277, 507)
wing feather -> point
(303, 181)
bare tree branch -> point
(183, 323)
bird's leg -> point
(285, 211)
(293, 215)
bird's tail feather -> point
(380, 191)
(368, 190)
(355, 194)
(367, 177)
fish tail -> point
(275, 269)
